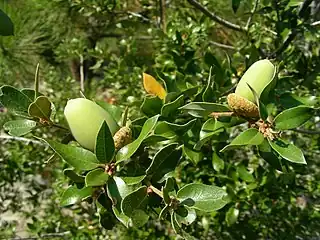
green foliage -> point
(176, 176)
(7, 28)
(104, 149)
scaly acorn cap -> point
(122, 137)
(242, 106)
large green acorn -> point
(260, 76)
(85, 118)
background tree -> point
(103, 47)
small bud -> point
(258, 76)
(122, 137)
(85, 118)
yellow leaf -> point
(152, 86)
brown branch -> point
(156, 191)
(42, 236)
(304, 131)
(81, 71)
(118, 35)
(21, 139)
(285, 44)
(221, 45)
(254, 9)
(216, 18)
(163, 15)
(221, 114)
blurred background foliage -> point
(107, 45)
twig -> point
(163, 15)
(156, 191)
(223, 45)
(315, 23)
(254, 9)
(125, 117)
(216, 18)
(81, 74)
(221, 114)
(285, 44)
(139, 16)
(59, 126)
(119, 35)
(36, 82)
(42, 236)
(229, 90)
(311, 132)
(21, 139)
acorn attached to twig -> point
(84, 118)
(261, 77)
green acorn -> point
(260, 76)
(85, 118)
(122, 137)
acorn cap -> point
(242, 106)
(122, 137)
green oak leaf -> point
(96, 177)
(104, 148)
(73, 195)
(202, 197)
(14, 100)
(40, 108)
(127, 151)
(293, 117)
(203, 109)
(19, 127)
(79, 158)
(288, 151)
(249, 137)
(6, 26)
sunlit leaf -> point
(153, 87)
(19, 127)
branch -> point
(163, 14)
(59, 126)
(221, 114)
(304, 131)
(285, 44)
(81, 74)
(216, 18)
(156, 191)
(138, 16)
(21, 139)
(229, 90)
(254, 9)
(42, 236)
(223, 45)
(315, 23)
(118, 35)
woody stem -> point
(156, 191)
(221, 114)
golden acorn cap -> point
(122, 137)
(242, 106)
